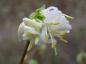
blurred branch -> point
(25, 51)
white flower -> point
(54, 24)
(28, 29)
(52, 14)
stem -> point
(25, 51)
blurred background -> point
(11, 49)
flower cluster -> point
(44, 25)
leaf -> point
(37, 14)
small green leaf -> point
(37, 14)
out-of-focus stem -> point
(25, 51)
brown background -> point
(11, 14)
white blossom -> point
(52, 14)
(54, 24)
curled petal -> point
(60, 28)
(44, 35)
(50, 13)
(30, 30)
(69, 17)
(32, 23)
(21, 30)
(29, 33)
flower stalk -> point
(25, 52)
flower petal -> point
(29, 32)
(32, 23)
(44, 35)
(21, 30)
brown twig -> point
(25, 51)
